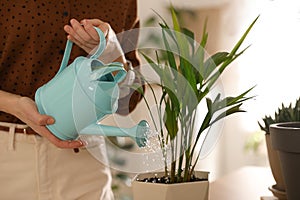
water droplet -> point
(152, 143)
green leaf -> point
(212, 62)
(190, 38)
(211, 81)
(176, 105)
(268, 120)
(241, 40)
(188, 73)
(220, 104)
(232, 55)
(240, 98)
(228, 112)
(198, 63)
(204, 35)
(161, 18)
(209, 104)
(198, 57)
(171, 121)
(164, 72)
(176, 25)
(171, 57)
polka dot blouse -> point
(33, 40)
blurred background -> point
(270, 64)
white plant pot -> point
(197, 190)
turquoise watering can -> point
(82, 94)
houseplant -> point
(285, 138)
(289, 113)
(284, 114)
(186, 78)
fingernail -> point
(82, 143)
(83, 22)
(50, 121)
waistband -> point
(26, 134)
(18, 128)
(16, 131)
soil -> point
(166, 180)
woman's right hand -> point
(26, 110)
(83, 33)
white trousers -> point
(33, 168)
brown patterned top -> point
(33, 40)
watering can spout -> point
(138, 133)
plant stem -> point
(164, 152)
(181, 153)
(191, 118)
(173, 164)
(187, 165)
(172, 174)
(179, 170)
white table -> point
(247, 183)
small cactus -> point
(284, 114)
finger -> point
(36, 118)
(95, 22)
(74, 37)
(89, 25)
(104, 27)
(70, 144)
(89, 28)
(85, 46)
(72, 29)
(81, 34)
(82, 44)
(45, 120)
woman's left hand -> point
(83, 33)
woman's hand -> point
(83, 33)
(28, 113)
(26, 110)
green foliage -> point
(284, 114)
(186, 78)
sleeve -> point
(128, 40)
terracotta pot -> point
(197, 190)
(285, 138)
(278, 189)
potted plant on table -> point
(282, 138)
(289, 113)
(186, 78)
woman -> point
(34, 164)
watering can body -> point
(82, 94)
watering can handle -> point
(69, 45)
(115, 67)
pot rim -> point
(286, 125)
(285, 136)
